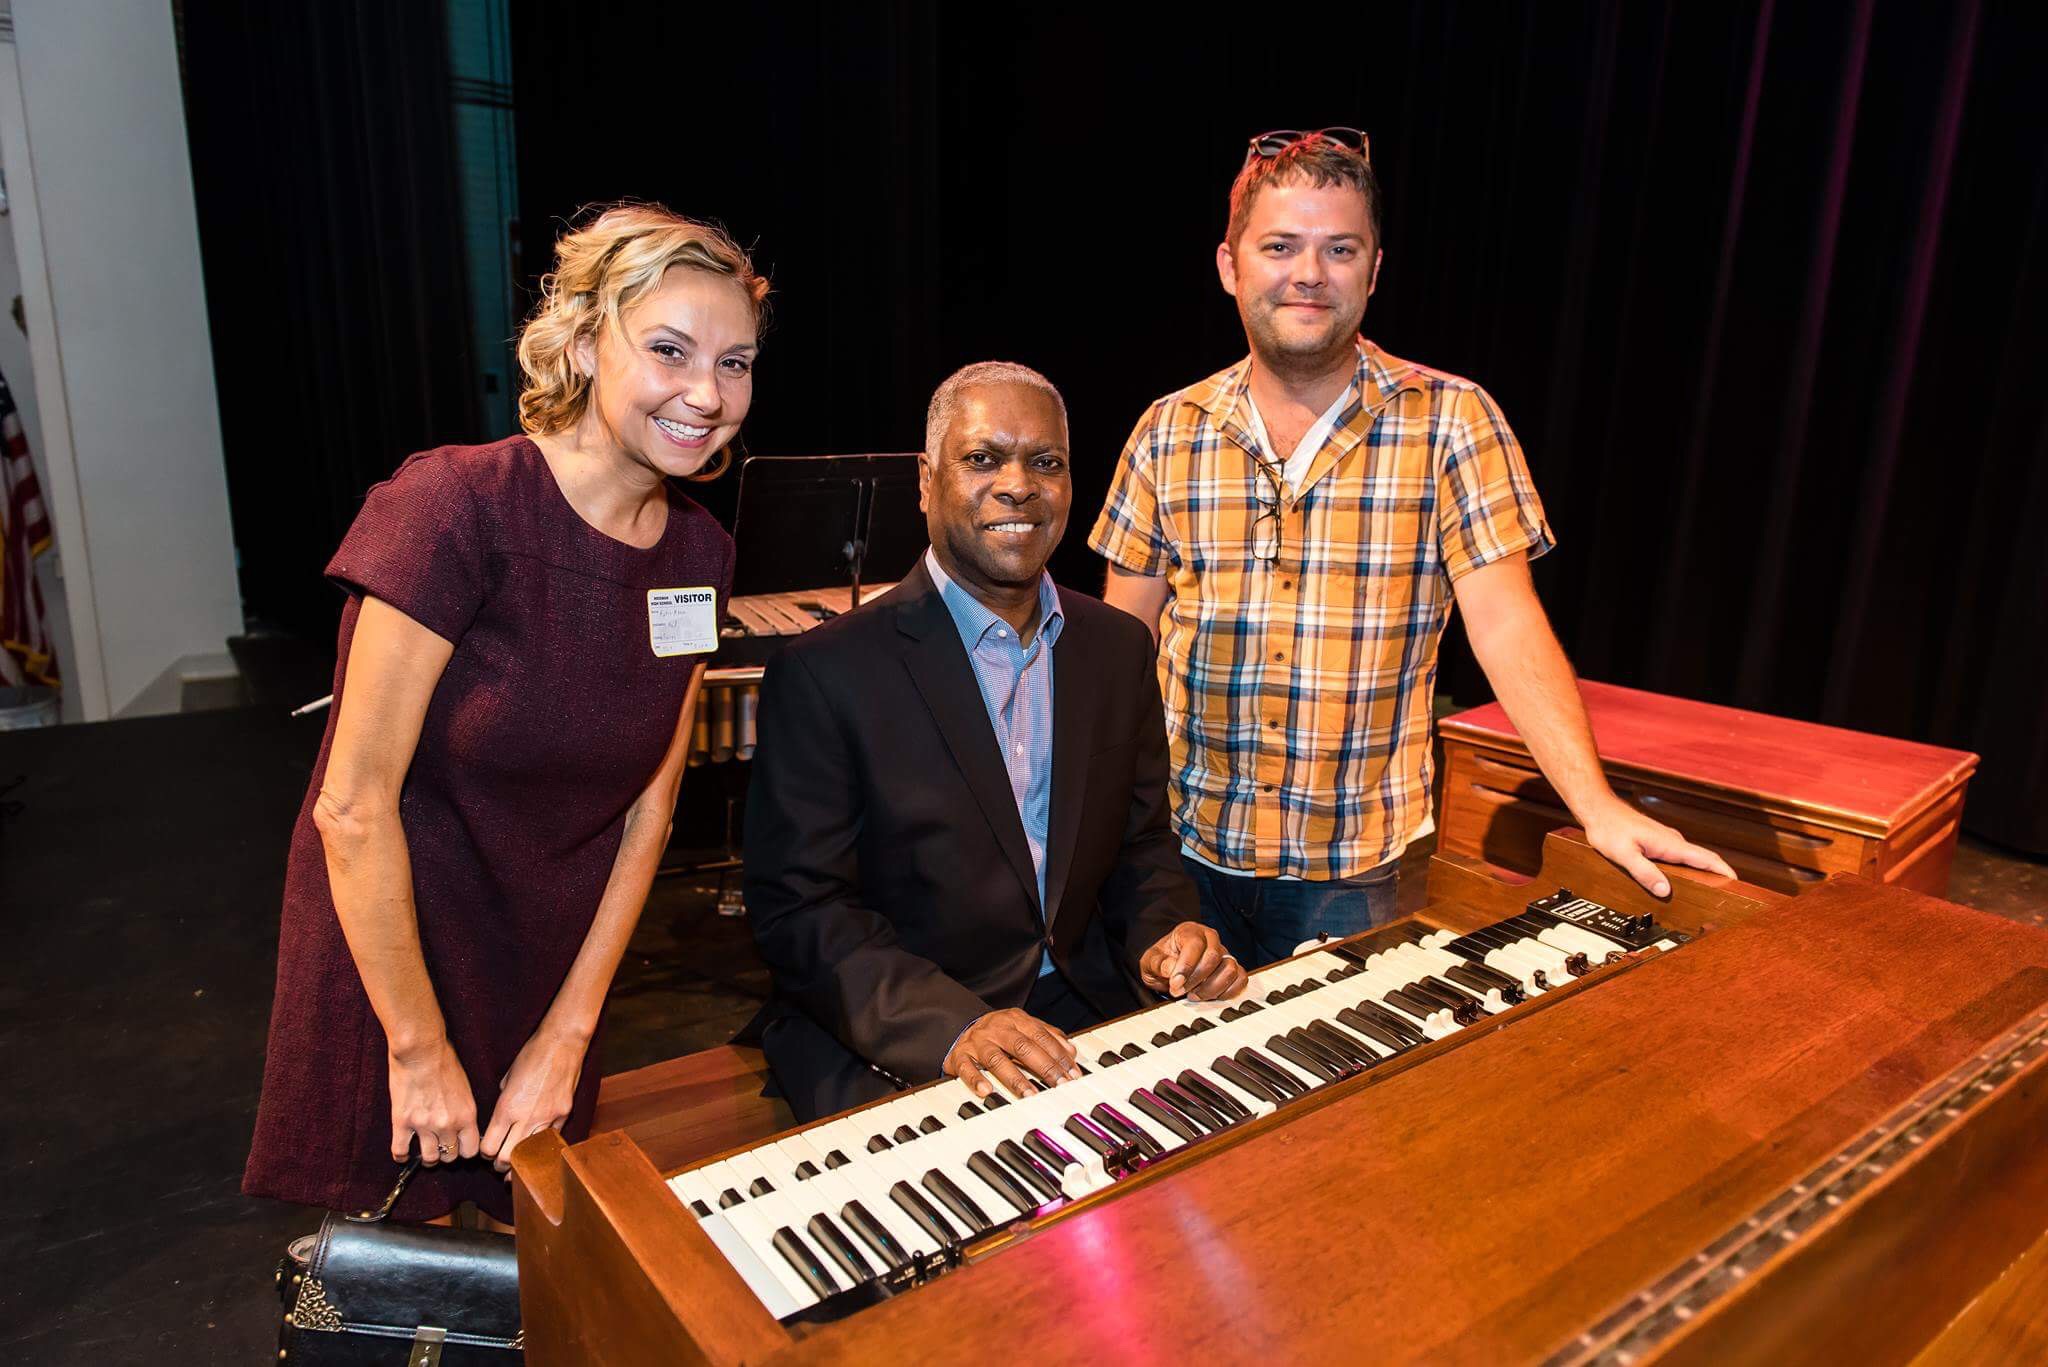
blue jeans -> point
(1263, 919)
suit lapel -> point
(938, 667)
(1073, 732)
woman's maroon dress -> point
(549, 720)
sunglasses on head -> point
(1280, 139)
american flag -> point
(26, 655)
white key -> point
(761, 1278)
(746, 1169)
(841, 1135)
(717, 1177)
(751, 1221)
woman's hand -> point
(535, 1094)
(430, 1098)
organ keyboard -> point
(1527, 1124)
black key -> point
(798, 1255)
(1372, 1030)
(1332, 1055)
(1414, 1006)
(1110, 1058)
(762, 1186)
(1162, 1039)
(1095, 1137)
(1212, 1096)
(930, 1124)
(876, 1144)
(1276, 996)
(1463, 976)
(839, 1249)
(1387, 1020)
(917, 1208)
(1132, 1050)
(1030, 1169)
(904, 1134)
(700, 1208)
(1167, 1090)
(1302, 1040)
(1301, 1058)
(1500, 978)
(1337, 1040)
(1047, 1150)
(836, 1159)
(729, 1198)
(1246, 1081)
(1464, 1010)
(1199, 1024)
(1271, 1073)
(1121, 1125)
(1230, 1013)
(1182, 1031)
(998, 1177)
(968, 1109)
(1424, 990)
(993, 1102)
(1165, 1114)
(806, 1170)
(875, 1234)
(959, 1202)
(1247, 1008)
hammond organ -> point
(1557, 1122)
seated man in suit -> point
(957, 847)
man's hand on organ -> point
(1190, 961)
(1004, 1046)
(1632, 840)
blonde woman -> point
(512, 707)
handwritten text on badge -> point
(682, 621)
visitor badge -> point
(682, 621)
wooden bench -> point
(686, 1108)
(1785, 802)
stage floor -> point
(139, 886)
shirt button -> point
(1286, 583)
(1279, 654)
(1002, 633)
(1269, 787)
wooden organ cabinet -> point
(1556, 1122)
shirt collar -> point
(973, 619)
(1378, 378)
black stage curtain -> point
(1763, 287)
(325, 175)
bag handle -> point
(372, 1217)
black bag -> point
(363, 1291)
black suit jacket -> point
(887, 878)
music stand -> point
(814, 522)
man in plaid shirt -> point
(1296, 530)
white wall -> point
(21, 378)
(99, 179)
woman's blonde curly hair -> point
(602, 269)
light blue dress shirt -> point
(1016, 688)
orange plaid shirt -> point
(1298, 690)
